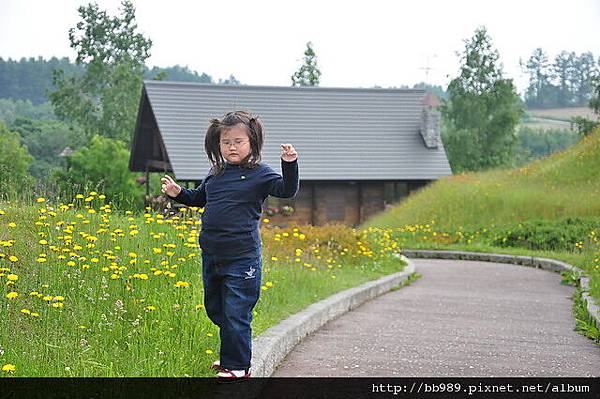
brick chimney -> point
(430, 121)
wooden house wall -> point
(348, 203)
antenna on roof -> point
(427, 68)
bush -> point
(551, 235)
(103, 166)
(14, 163)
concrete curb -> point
(530, 261)
(272, 346)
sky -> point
(358, 43)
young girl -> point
(232, 195)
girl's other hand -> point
(169, 186)
(288, 153)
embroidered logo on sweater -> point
(250, 273)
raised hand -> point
(288, 153)
(169, 186)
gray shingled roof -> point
(339, 133)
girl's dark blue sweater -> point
(232, 205)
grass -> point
(584, 322)
(89, 291)
(481, 211)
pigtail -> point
(257, 137)
(211, 146)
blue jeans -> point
(231, 290)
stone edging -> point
(271, 347)
(540, 263)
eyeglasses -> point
(237, 143)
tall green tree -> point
(540, 89)
(584, 75)
(564, 73)
(482, 110)
(309, 73)
(104, 99)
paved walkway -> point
(461, 318)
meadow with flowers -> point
(89, 290)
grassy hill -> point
(548, 208)
(565, 184)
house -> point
(359, 149)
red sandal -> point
(226, 375)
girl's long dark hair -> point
(254, 129)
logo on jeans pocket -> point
(250, 273)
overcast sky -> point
(358, 43)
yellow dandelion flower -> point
(150, 308)
(13, 258)
(266, 220)
(43, 242)
(133, 232)
(57, 305)
(12, 277)
(12, 295)
(40, 200)
(9, 368)
(199, 306)
(71, 263)
(269, 284)
(262, 287)
(35, 314)
(12, 224)
(25, 311)
(47, 298)
(208, 351)
(182, 284)
(274, 258)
